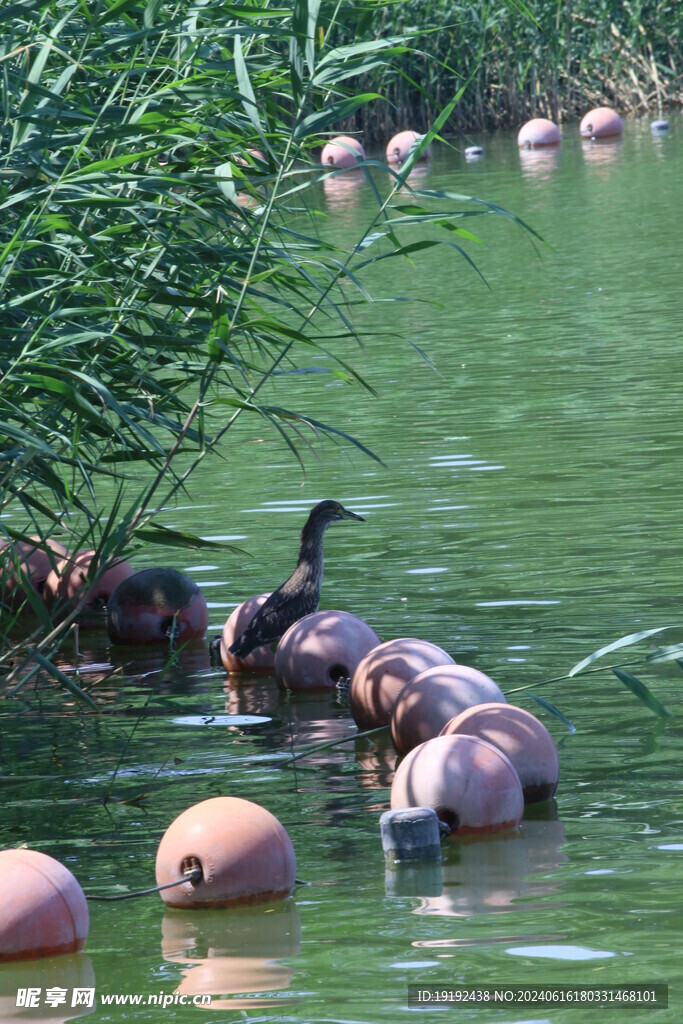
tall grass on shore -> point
(557, 60)
(155, 158)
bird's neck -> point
(311, 558)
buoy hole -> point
(169, 627)
(339, 671)
(449, 817)
(192, 867)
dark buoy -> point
(153, 605)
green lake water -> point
(527, 513)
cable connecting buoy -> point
(382, 674)
(435, 696)
(538, 132)
(523, 739)
(242, 850)
(342, 151)
(44, 912)
(155, 606)
(471, 785)
(601, 123)
(400, 145)
(261, 659)
(410, 834)
(321, 649)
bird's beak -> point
(344, 513)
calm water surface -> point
(527, 513)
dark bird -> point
(300, 594)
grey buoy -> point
(410, 834)
(659, 126)
(474, 152)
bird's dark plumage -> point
(300, 594)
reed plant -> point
(543, 59)
(155, 157)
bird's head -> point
(330, 511)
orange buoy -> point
(382, 674)
(601, 123)
(44, 911)
(399, 147)
(433, 698)
(342, 151)
(154, 604)
(67, 581)
(470, 784)
(321, 649)
(523, 739)
(261, 659)
(538, 132)
(242, 850)
(34, 562)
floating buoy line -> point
(191, 874)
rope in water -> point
(191, 875)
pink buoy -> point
(524, 740)
(400, 146)
(538, 132)
(255, 156)
(262, 659)
(154, 605)
(34, 562)
(44, 911)
(470, 784)
(433, 698)
(242, 850)
(601, 123)
(67, 581)
(321, 649)
(382, 674)
(342, 151)
(57, 549)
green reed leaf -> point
(551, 709)
(640, 690)
(624, 641)
(164, 535)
